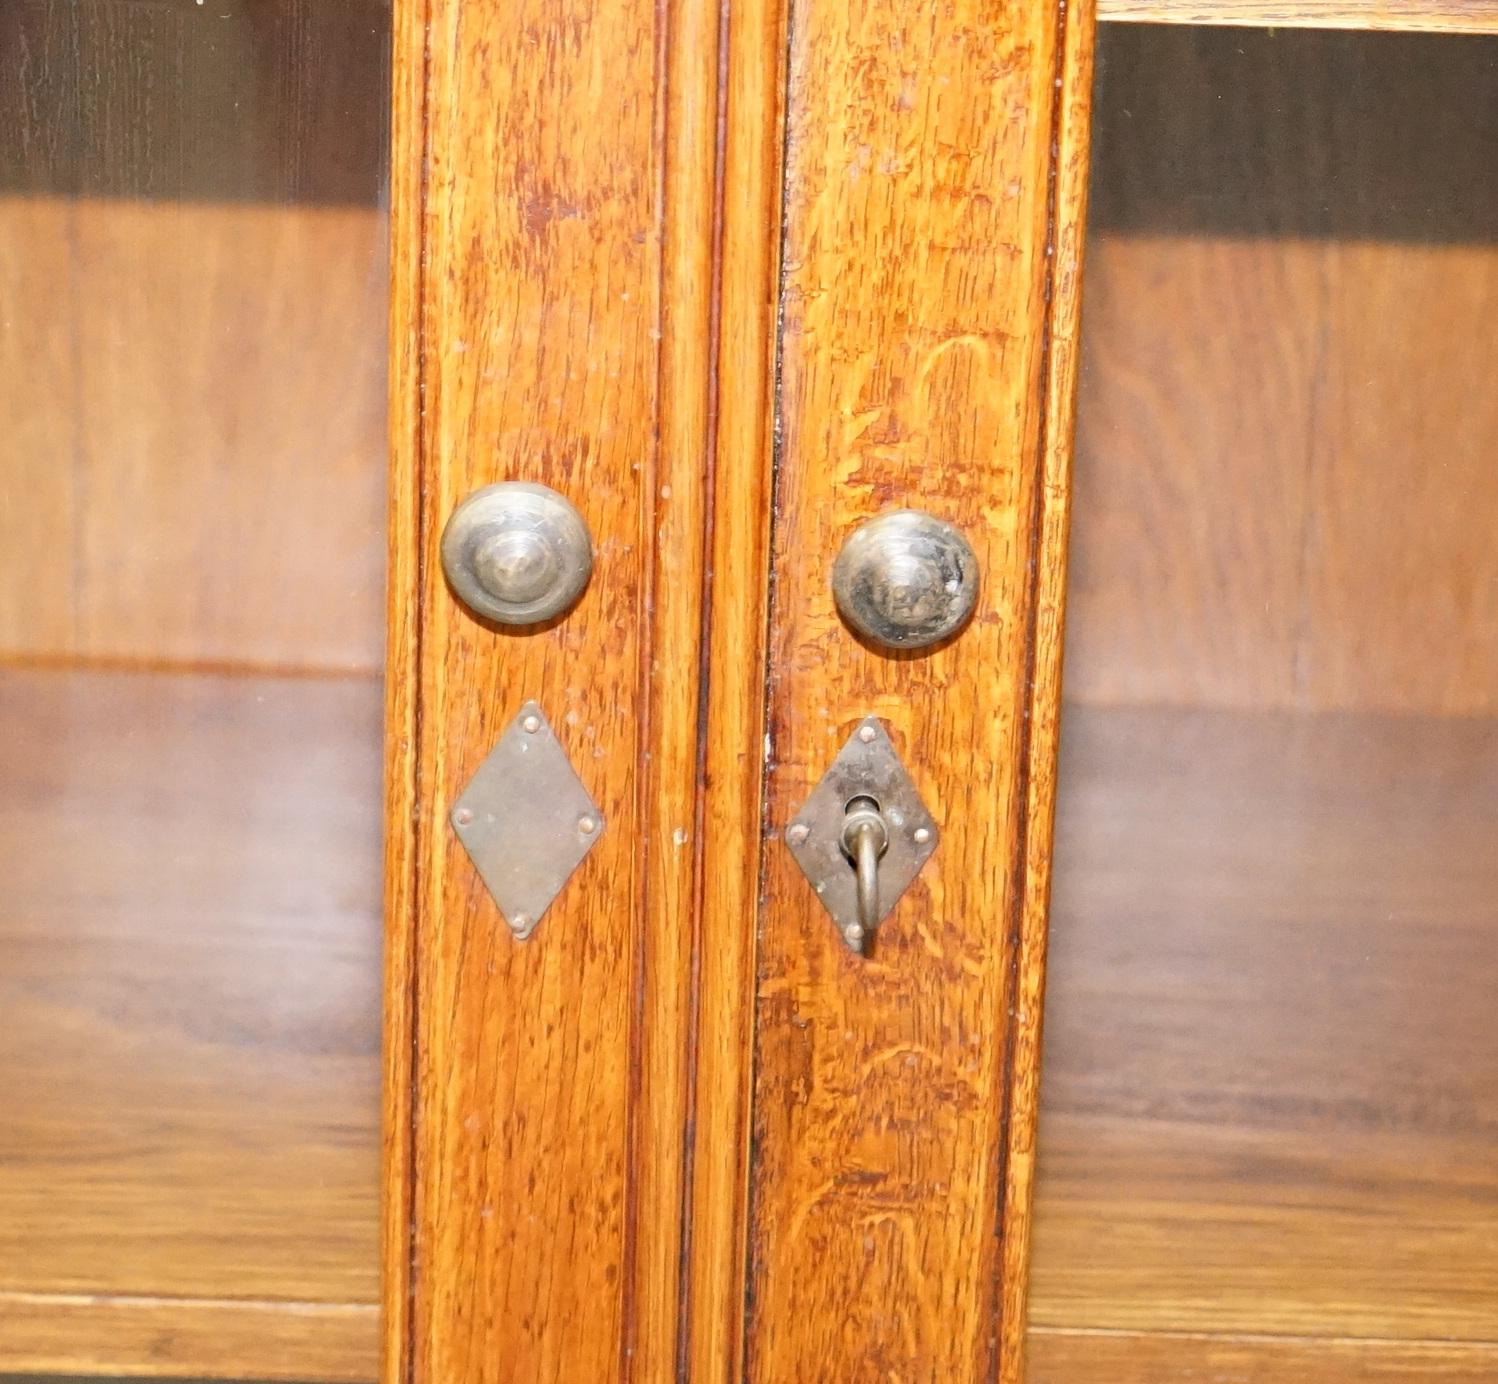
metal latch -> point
(863, 835)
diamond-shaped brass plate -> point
(867, 766)
(526, 820)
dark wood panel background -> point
(1271, 1076)
(192, 379)
(226, 100)
(192, 262)
(1285, 491)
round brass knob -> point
(905, 580)
(517, 553)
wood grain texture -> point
(676, 508)
(732, 804)
(1437, 16)
(1069, 219)
(189, 973)
(1099, 1357)
(208, 1338)
(38, 498)
(195, 475)
(1284, 470)
(1271, 1073)
(539, 300)
(1266, 1137)
(192, 265)
(917, 268)
(406, 549)
(269, 101)
(535, 341)
(1295, 135)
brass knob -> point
(517, 553)
(906, 579)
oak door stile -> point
(732, 808)
(553, 199)
(927, 308)
(1063, 326)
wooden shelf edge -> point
(147, 665)
(1065, 1355)
(331, 1343)
(1413, 16)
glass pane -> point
(1269, 1134)
(192, 362)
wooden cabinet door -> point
(732, 279)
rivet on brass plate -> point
(526, 820)
(863, 835)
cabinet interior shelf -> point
(189, 1063)
(1269, 1098)
(1271, 1078)
(1427, 16)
